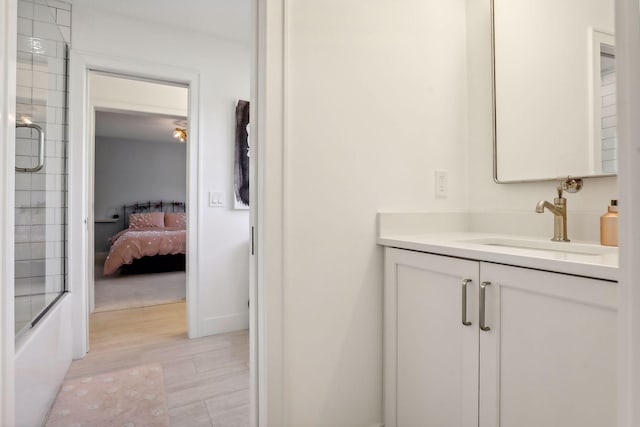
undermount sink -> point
(584, 249)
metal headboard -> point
(151, 206)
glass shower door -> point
(41, 166)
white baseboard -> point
(222, 324)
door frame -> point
(8, 49)
(111, 106)
(81, 173)
(628, 100)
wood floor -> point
(206, 379)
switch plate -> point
(442, 183)
(216, 199)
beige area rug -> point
(133, 397)
(138, 290)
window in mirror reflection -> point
(605, 144)
(608, 109)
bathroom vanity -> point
(489, 330)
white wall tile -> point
(39, 96)
(60, 4)
(24, 147)
(38, 199)
(63, 18)
(38, 233)
(54, 249)
(23, 286)
(23, 233)
(38, 268)
(39, 113)
(24, 61)
(25, 161)
(23, 199)
(37, 250)
(38, 285)
(61, 83)
(54, 199)
(23, 95)
(54, 269)
(25, 9)
(42, 14)
(54, 233)
(56, 98)
(38, 181)
(24, 77)
(22, 216)
(52, 84)
(38, 216)
(55, 131)
(25, 26)
(22, 269)
(50, 148)
(23, 251)
(23, 180)
(60, 216)
(66, 34)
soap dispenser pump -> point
(609, 225)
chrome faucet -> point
(559, 208)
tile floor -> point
(206, 379)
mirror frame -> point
(494, 121)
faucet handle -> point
(570, 185)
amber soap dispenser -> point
(609, 226)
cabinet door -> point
(431, 358)
(549, 358)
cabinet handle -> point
(483, 305)
(465, 283)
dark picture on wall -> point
(241, 169)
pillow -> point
(176, 220)
(146, 220)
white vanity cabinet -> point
(545, 356)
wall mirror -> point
(554, 89)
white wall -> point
(224, 72)
(133, 171)
(121, 93)
(484, 194)
(376, 100)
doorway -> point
(139, 193)
(213, 356)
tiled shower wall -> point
(44, 30)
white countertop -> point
(597, 261)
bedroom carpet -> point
(138, 290)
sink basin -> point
(584, 249)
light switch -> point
(217, 199)
(442, 184)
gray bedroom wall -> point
(129, 171)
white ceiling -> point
(137, 126)
(229, 19)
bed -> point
(153, 239)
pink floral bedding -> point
(136, 243)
